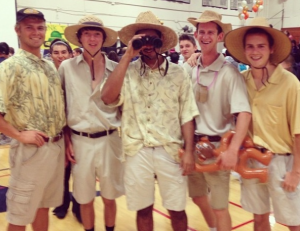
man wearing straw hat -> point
(158, 113)
(221, 95)
(33, 114)
(93, 143)
(274, 95)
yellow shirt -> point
(155, 107)
(31, 96)
(275, 110)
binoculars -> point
(146, 40)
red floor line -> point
(237, 205)
(240, 225)
(167, 216)
(5, 175)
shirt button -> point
(148, 106)
(150, 82)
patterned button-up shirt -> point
(31, 96)
(155, 107)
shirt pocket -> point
(274, 115)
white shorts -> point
(140, 170)
(256, 196)
(101, 158)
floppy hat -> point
(234, 41)
(26, 12)
(90, 21)
(211, 16)
(146, 21)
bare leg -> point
(15, 228)
(88, 215)
(223, 219)
(261, 222)
(144, 219)
(41, 220)
(179, 220)
(110, 211)
(294, 228)
(206, 210)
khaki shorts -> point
(101, 158)
(217, 183)
(256, 196)
(36, 180)
(140, 170)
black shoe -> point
(60, 214)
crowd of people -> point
(122, 122)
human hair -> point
(112, 55)
(80, 31)
(256, 30)
(11, 50)
(78, 50)
(218, 27)
(60, 42)
(188, 38)
(174, 57)
(4, 48)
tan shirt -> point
(31, 96)
(227, 95)
(86, 112)
(155, 107)
(276, 110)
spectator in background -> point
(187, 45)
(174, 57)
(290, 65)
(4, 51)
(11, 51)
(295, 48)
(77, 51)
(60, 51)
(112, 55)
(230, 59)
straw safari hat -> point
(234, 41)
(211, 16)
(90, 21)
(147, 20)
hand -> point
(187, 163)
(130, 51)
(192, 61)
(291, 181)
(32, 137)
(69, 151)
(227, 159)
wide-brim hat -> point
(147, 20)
(234, 41)
(90, 21)
(211, 16)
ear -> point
(220, 37)
(272, 50)
(196, 34)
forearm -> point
(114, 83)
(241, 129)
(7, 129)
(296, 153)
(188, 130)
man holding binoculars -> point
(158, 112)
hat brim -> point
(71, 35)
(226, 27)
(169, 37)
(234, 43)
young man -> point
(93, 142)
(60, 51)
(77, 51)
(158, 112)
(33, 114)
(187, 45)
(221, 95)
(274, 95)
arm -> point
(292, 178)
(229, 158)
(114, 82)
(188, 160)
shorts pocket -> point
(19, 196)
(12, 152)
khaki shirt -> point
(31, 96)
(227, 95)
(155, 107)
(276, 110)
(86, 112)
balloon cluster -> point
(258, 5)
(243, 10)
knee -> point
(109, 203)
(261, 219)
(177, 215)
(145, 212)
(87, 205)
(221, 212)
(200, 200)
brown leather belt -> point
(263, 150)
(54, 139)
(94, 135)
(197, 137)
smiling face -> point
(208, 36)
(31, 32)
(92, 40)
(59, 53)
(148, 49)
(257, 50)
(187, 49)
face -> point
(208, 37)
(257, 50)
(148, 50)
(59, 54)
(92, 40)
(187, 49)
(31, 32)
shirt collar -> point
(274, 78)
(108, 63)
(162, 66)
(216, 65)
(29, 55)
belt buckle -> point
(50, 139)
(88, 135)
(107, 132)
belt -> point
(94, 135)
(263, 150)
(210, 138)
(54, 139)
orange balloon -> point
(255, 8)
(246, 15)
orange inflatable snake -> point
(204, 147)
